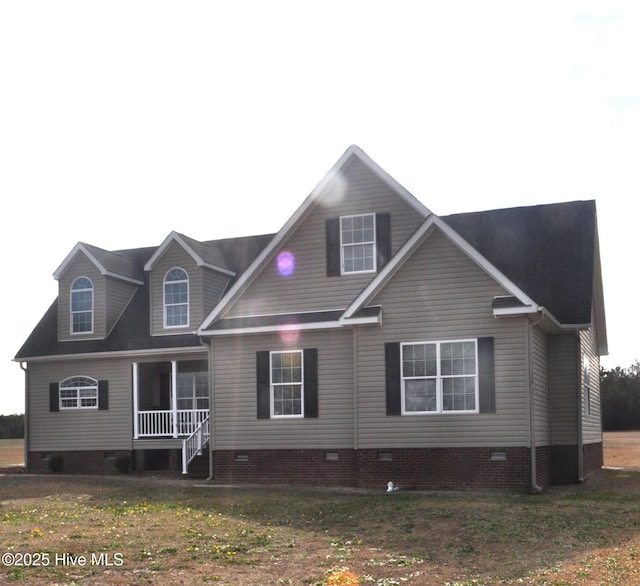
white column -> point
(174, 396)
(136, 423)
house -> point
(368, 341)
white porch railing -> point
(169, 423)
(192, 446)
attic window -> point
(82, 306)
(176, 298)
(358, 243)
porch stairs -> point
(193, 445)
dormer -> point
(186, 280)
(94, 287)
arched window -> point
(176, 298)
(79, 392)
(82, 306)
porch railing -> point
(167, 423)
(192, 446)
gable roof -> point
(112, 264)
(546, 257)
(300, 214)
(204, 254)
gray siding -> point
(540, 379)
(440, 294)
(81, 429)
(564, 388)
(236, 425)
(214, 286)
(358, 191)
(81, 266)
(592, 421)
(118, 295)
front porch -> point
(171, 407)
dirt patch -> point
(622, 449)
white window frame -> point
(274, 385)
(439, 378)
(347, 245)
(193, 397)
(73, 312)
(82, 393)
(166, 305)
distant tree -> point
(620, 392)
(11, 426)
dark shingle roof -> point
(132, 331)
(547, 251)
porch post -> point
(136, 423)
(174, 396)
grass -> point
(140, 530)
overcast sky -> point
(122, 121)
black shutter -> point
(103, 395)
(54, 397)
(392, 377)
(263, 383)
(486, 375)
(310, 382)
(383, 239)
(332, 228)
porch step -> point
(199, 466)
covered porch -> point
(171, 406)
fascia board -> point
(160, 251)
(274, 329)
(114, 354)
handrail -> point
(192, 445)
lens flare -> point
(286, 263)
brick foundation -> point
(593, 455)
(411, 469)
(77, 462)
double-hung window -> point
(193, 390)
(176, 298)
(78, 392)
(287, 386)
(439, 377)
(82, 306)
(358, 243)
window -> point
(176, 298)
(287, 384)
(78, 392)
(193, 390)
(358, 244)
(82, 306)
(287, 390)
(439, 377)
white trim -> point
(187, 280)
(300, 384)
(329, 325)
(175, 237)
(372, 243)
(439, 379)
(300, 214)
(72, 312)
(116, 354)
(81, 247)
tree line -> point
(620, 394)
(11, 426)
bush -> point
(123, 463)
(56, 463)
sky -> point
(122, 121)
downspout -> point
(208, 343)
(580, 412)
(26, 416)
(355, 388)
(535, 487)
